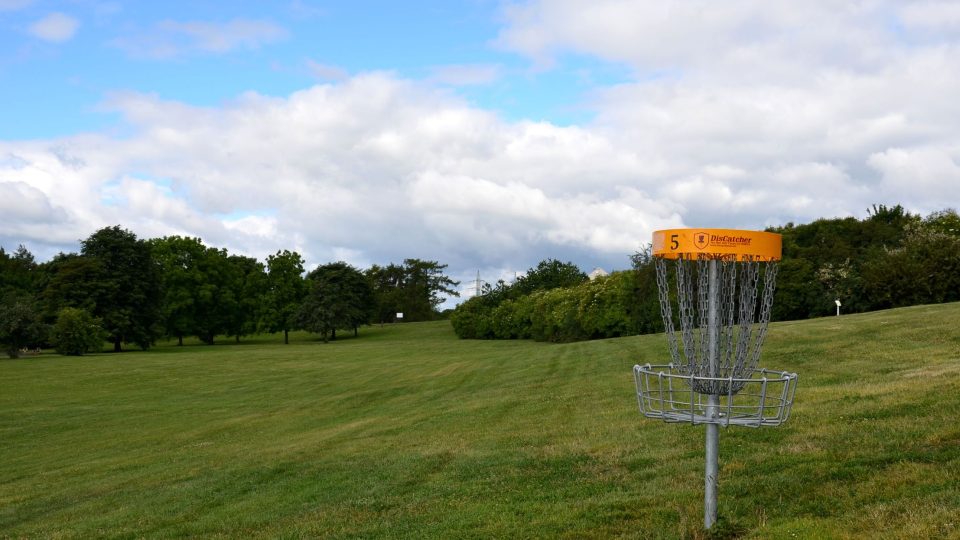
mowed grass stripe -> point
(406, 431)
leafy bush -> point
(465, 318)
(76, 332)
(19, 323)
(602, 308)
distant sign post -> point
(838, 307)
(399, 315)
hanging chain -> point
(685, 300)
(739, 338)
(766, 306)
(728, 288)
(666, 307)
(703, 309)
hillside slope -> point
(407, 431)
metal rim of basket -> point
(766, 398)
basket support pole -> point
(713, 403)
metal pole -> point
(713, 404)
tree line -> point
(891, 258)
(555, 301)
(126, 290)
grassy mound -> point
(407, 431)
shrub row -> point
(605, 307)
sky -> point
(482, 134)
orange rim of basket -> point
(717, 243)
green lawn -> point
(408, 432)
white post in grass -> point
(838, 307)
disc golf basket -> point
(720, 295)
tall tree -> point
(285, 291)
(180, 278)
(549, 274)
(339, 296)
(215, 299)
(425, 287)
(317, 311)
(798, 294)
(206, 291)
(645, 308)
(248, 283)
(416, 289)
(18, 272)
(127, 289)
(68, 280)
(387, 282)
(824, 260)
(924, 270)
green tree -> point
(206, 291)
(388, 283)
(317, 311)
(424, 288)
(215, 299)
(19, 323)
(285, 291)
(76, 332)
(798, 294)
(416, 288)
(944, 221)
(925, 269)
(68, 280)
(340, 296)
(824, 260)
(644, 311)
(885, 226)
(180, 279)
(18, 272)
(248, 283)
(127, 288)
(549, 274)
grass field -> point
(407, 432)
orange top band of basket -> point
(674, 243)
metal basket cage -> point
(763, 398)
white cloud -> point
(23, 204)
(937, 15)
(465, 74)
(760, 113)
(377, 168)
(701, 34)
(170, 39)
(262, 226)
(920, 174)
(743, 114)
(56, 27)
